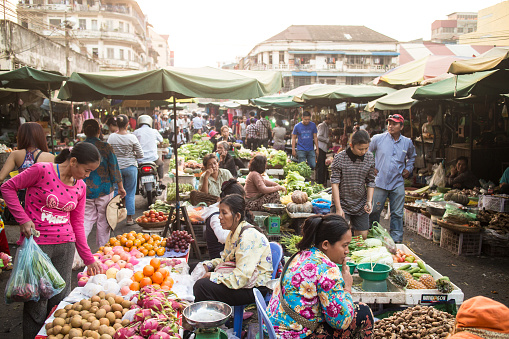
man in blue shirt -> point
(394, 162)
(306, 133)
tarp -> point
(206, 82)
(9, 95)
(281, 101)
(500, 61)
(480, 83)
(333, 94)
(418, 70)
(398, 100)
(31, 78)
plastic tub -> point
(375, 272)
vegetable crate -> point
(425, 226)
(461, 243)
(495, 203)
(411, 220)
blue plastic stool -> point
(262, 316)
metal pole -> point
(51, 119)
(67, 63)
(471, 136)
(175, 151)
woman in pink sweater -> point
(54, 206)
(260, 191)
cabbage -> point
(374, 255)
(373, 242)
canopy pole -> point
(471, 135)
(411, 125)
(422, 140)
(51, 119)
(175, 151)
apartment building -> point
(492, 27)
(457, 23)
(114, 33)
(326, 54)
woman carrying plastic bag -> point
(55, 207)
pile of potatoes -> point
(96, 318)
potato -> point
(86, 304)
(95, 325)
(57, 329)
(116, 307)
(118, 314)
(50, 331)
(68, 307)
(66, 336)
(65, 329)
(51, 336)
(48, 326)
(93, 309)
(103, 329)
(72, 313)
(101, 313)
(118, 321)
(58, 321)
(84, 314)
(86, 326)
(117, 326)
(111, 331)
(94, 335)
(83, 322)
(104, 321)
(111, 317)
(59, 312)
(126, 304)
(96, 303)
(91, 318)
(106, 336)
(124, 311)
(87, 333)
(119, 299)
(60, 336)
(76, 321)
(78, 308)
(111, 300)
(101, 295)
(75, 332)
(125, 322)
(95, 298)
(104, 302)
(110, 295)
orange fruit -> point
(155, 263)
(126, 249)
(138, 276)
(132, 232)
(150, 240)
(123, 240)
(169, 281)
(144, 251)
(146, 237)
(135, 286)
(101, 248)
(119, 236)
(137, 242)
(160, 251)
(165, 287)
(145, 281)
(112, 240)
(129, 243)
(151, 253)
(157, 277)
(148, 270)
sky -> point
(212, 33)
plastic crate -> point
(461, 243)
(411, 220)
(495, 251)
(497, 203)
(425, 226)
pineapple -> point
(444, 285)
(407, 275)
(415, 285)
(428, 281)
(398, 278)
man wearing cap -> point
(394, 162)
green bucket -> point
(351, 265)
(379, 272)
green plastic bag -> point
(455, 215)
(439, 197)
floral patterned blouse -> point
(314, 287)
(249, 252)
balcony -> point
(116, 64)
(42, 7)
(351, 68)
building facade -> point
(338, 55)
(457, 23)
(492, 27)
(159, 49)
(113, 33)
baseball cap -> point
(396, 118)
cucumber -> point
(417, 275)
(421, 264)
(414, 270)
(423, 271)
(404, 267)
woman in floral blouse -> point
(245, 263)
(316, 300)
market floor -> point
(477, 275)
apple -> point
(133, 260)
(116, 266)
(125, 290)
(82, 281)
(109, 263)
(105, 267)
(118, 249)
(129, 266)
(115, 258)
(125, 256)
(82, 274)
(121, 263)
(107, 250)
(106, 257)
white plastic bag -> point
(438, 178)
(198, 272)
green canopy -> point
(281, 101)
(206, 82)
(398, 100)
(480, 83)
(31, 78)
(497, 60)
(334, 94)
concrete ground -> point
(475, 275)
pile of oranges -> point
(154, 275)
(149, 245)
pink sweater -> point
(256, 184)
(56, 209)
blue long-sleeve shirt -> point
(391, 158)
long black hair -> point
(318, 228)
(91, 128)
(237, 204)
(84, 152)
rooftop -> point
(334, 33)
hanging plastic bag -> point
(438, 178)
(321, 206)
(378, 232)
(33, 277)
(198, 272)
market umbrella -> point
(279, 101)
(496, 60)
(334, 94)
(395, 101)
(31, 78)
(480, 83)
(418, 70)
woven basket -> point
(149, 225)
(198, 196)
(409, 198)
(412, 208)
(458, 228)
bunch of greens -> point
(300, 167)
(243, 153)
(357, 244)
(196, 151)
(277, 158)
(290, 242)
(294, 182)
(172, 190)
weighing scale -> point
(273, 221)
(206, 317)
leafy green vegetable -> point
(277, 158)
(290, 242)
(300, 167)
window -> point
(95, 53)
(55, 22)
(302, 59)
(110, 53)
(94, 25)
(448, 30)
(128, 55)
(460, 30)
(82, 24)
(121, 54)
(120, 26)
(470, 30)
(281, 57)
(353, 80)
(302, 81)
(127, 28)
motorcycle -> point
(148, 185)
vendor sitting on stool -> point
(461, 177)
(260, 191)
(213, 176)
(427, 127)
(314, 296)
(245, 263)
(215, 235)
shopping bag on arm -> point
(33, 277)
